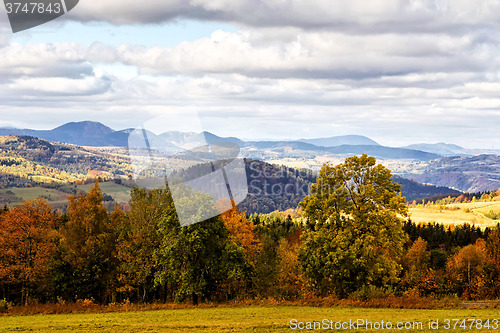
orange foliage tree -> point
(27, 238)
(89, 246)
(472, 271)
(242, 231)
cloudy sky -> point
(399, 72)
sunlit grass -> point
(232, 319)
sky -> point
(399, 72)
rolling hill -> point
(94, 134)
(341, 140)
(27, 161)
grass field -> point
(31, 193)
(119, 192)
(245, 319)
(472, 213)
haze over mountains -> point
(88, 133)
(439, 164)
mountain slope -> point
(468, 174)
(84, 133)
(341, 140)
(384, 152)
(446, 149)
(88, 133)
(440, 148)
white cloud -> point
(353, 15)
(280, 53)
(398, 71)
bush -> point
(4, 305)
(370, 292)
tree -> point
(243, 232)
(27, 241)
(471, 272)
(290, 281)
(416, 268)
(88, 248)
(493, 245)
(358, 238)
(198, 261)
(139, 239)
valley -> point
(33, 167)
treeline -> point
(446, 199)
(144, 255)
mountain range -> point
(95, 134)
(440, 164)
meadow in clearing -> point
(253, 319)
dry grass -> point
(459, 213)
(256, 318)
(390, 302)
(450, 216)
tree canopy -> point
(358, 236)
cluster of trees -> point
(456, 198)
(141, 255)
(351, 240)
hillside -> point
(446, 149)
(30, 160)
(468, 174)
(27, 161)
(341, 140)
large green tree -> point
(358, 236)
(139, 239)
(199, 261)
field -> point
(453, 214)
(119, 192)
(246, 319)
(15, 196)
(31, 193)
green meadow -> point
(254, 319)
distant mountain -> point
(341, 140)
(84, 133)
(468, 174)
(284, 144)
(212, 138)
(89, 133)
(446, 149)
(384, 152)
(372, 150)
(179, 138)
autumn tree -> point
(290, 279)
(243, 232)
(27, 239)
(139, 239)
(417, 273)
(88, 245)
(358, 240)
(472, 273)
(493, 245)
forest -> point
(350, 238)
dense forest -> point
(349, 242)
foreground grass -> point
(237, 319)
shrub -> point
(4, 305)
